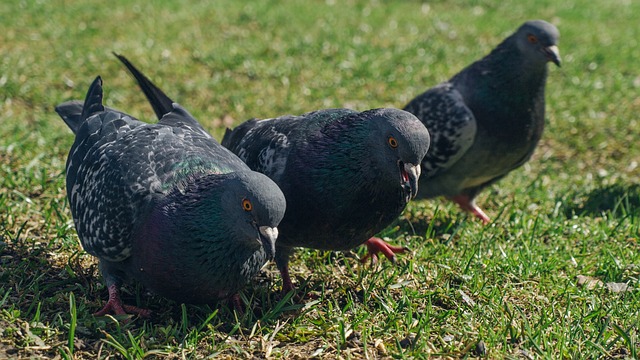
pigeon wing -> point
(450, 122)
(264, 145)
(118, 165)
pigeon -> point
(486, 120)
(346, 175)
(165, 205)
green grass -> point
(510, 287)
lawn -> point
(555, 275)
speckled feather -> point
(102, 159)
(488, 119)
(154, 202)
(342, 180)
(338, 192)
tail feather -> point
(232, 138)
(70, 112)
(159, 101)
(75, 112)
(93, 100)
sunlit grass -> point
(509, 289)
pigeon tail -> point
(93, 101)
(70, 112)
(74, 113)
(233, 137)
(162, 105)
(159, 101)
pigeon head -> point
(256, 205)
(538, 39)
(251, 202)
(398, 137)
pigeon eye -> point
(392, 142)
(247, 205)
(532, 39)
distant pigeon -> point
(165, 204)
(488, 119)
(346, 175)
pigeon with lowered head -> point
(346, 174)
(486, 120)
(165, 204)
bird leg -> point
(282, 261)
(114, 305)
(236, 303)
(376, 245)
(468, 204)
(287, 284)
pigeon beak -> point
(410, 175)
(268, 236)
(553, 54)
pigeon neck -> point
(187, 206)
(526, 70)
(504, 74)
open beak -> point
(409, 174)
(268, 236)
(553, 54)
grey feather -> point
(487, 119)
(342, 178)
(165, 204)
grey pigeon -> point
(346, 175)
(486, 120)
(164, 204)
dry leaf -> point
(588, 282)
(467, 299)
(618, 287)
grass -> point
(506, 290)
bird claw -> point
(121, 309)
(468, 204)
(114, 306)
(376, 245)
(481, 215)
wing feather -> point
(450, 122)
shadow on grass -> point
(616, 199)
(35, 286)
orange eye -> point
(247, 205)
(532, 39)
(392, 142)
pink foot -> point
(114, 306)
(468, 204)
(376, 245)
(287, 284)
